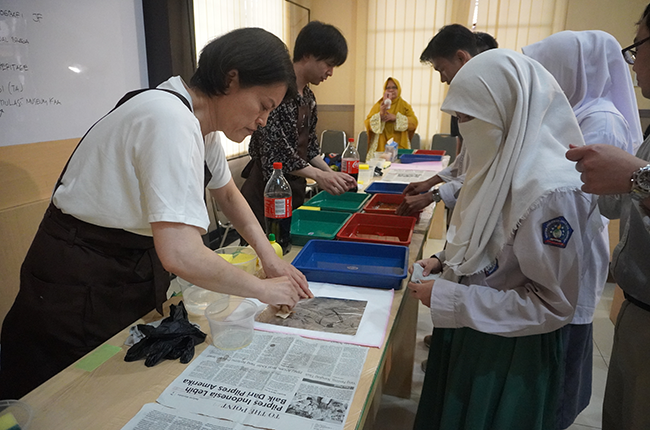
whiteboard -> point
(65, 63)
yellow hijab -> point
(399, 105)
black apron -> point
(80, 284)
(253, 188)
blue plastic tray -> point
(353, 263)
(385, 188)
(416, 158)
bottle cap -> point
(277, 165)
(271, 237)
(350, 139)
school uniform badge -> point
(557, 232)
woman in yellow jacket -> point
(390, 117)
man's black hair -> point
(323, 42)
(485, 41)
(448, 41)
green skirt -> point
(478, 381)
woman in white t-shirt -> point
(129, 208)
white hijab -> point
(522, 127)
(591, 71)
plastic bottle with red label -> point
(350, 161)
(277, 208)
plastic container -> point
(307, 225)
(353, 263)
(346, 202)
(386, 188)
(243, 257)
(418, 158)
(430, 152)
(15, 413)
(378, 228)
(278, 208)
(386, 204)
(365, 175)
(402, 151)
(231, 322)
(195, 298)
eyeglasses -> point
(391, 88)
(629, 53)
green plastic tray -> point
(403, 151)
(307, 225)
(346, 202)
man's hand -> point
(415, 188)
(605, 169)
(412, 204)
(335, 183)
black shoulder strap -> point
(123, 100)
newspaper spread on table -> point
(278, 382)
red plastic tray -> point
(430, 151)
(386, 204)
(378, 228)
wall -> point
(617, 18)
(335, 96)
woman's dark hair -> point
(485, 41)
(259, 57)
(448, 41)
(323, 42)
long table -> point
(109, 396)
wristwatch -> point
(641, 183)
(435, 194)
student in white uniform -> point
(593, 75)
(129, 208)
(521, 239)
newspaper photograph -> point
(278, 382)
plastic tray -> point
(346, 202)
(307, 225)
(430, 152)
(353, 263)
(378, 228)
(417, 158)
(386, 204)
(402, 151)
(385, 188)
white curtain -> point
(398, 32)
(213, 18)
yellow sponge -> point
(8, 422)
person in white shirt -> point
(521, 239)
(593, 75)
(129, 208)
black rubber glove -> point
(174, 338)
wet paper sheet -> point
(327, 314)
(343, 305)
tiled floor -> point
(397, 414)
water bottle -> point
(277, 208)
(350, 161)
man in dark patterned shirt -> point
(289, 136)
